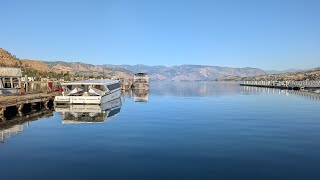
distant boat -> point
(89, 92)
(141, 81)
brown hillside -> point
(7, 59)
(312, 74)
(45, 68)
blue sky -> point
(268, 34)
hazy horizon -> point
(270, 35)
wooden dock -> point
(295, 85)
(21, 103)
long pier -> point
(11, 105)
(295, 85)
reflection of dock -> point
(15, 124)
(30, 116)
(303, 94)
(75, 114)
(295, 85)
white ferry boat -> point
(141, 81)
(89, 92)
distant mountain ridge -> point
(173, 73)
(189, 72)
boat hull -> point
(87, 99)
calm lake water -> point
(185, 130)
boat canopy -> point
(103, 82)
(91, 87)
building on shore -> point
(10, 80)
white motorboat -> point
(89, 92)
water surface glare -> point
(185, 130)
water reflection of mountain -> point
(75, 114)
(14, 126)
(197, 88)
(220, 88)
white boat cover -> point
(95, 91)
(75, 91)
(103, 82)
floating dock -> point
(291, 85)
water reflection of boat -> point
(141, 95)
(75, 114)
